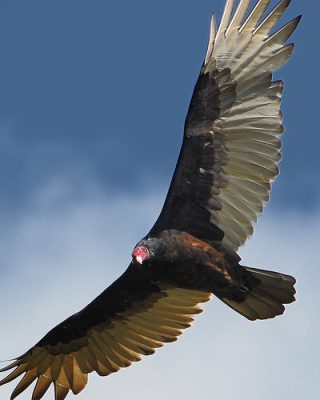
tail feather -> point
(266, 298)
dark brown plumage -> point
(229, 158)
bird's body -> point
(187, 262)
(228, 160)
(181, 260)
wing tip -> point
(295, 22)
(14, 364)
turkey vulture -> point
(229, 157)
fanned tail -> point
(267, 297)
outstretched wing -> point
(231, 146)
(129, 319)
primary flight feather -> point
(229, 157)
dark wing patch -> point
(130, 319)
(190, 198)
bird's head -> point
(147, 251)
(141, 254)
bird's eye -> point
(141, 254)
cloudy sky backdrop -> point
(93, 97)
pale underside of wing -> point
(241, 57)
(107, 347)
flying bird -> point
(229, 157)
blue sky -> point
(93, 97)
(102, 88)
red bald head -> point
(141, 254)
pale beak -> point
(139, 259)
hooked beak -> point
(139, 259)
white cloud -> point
(54, 260)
